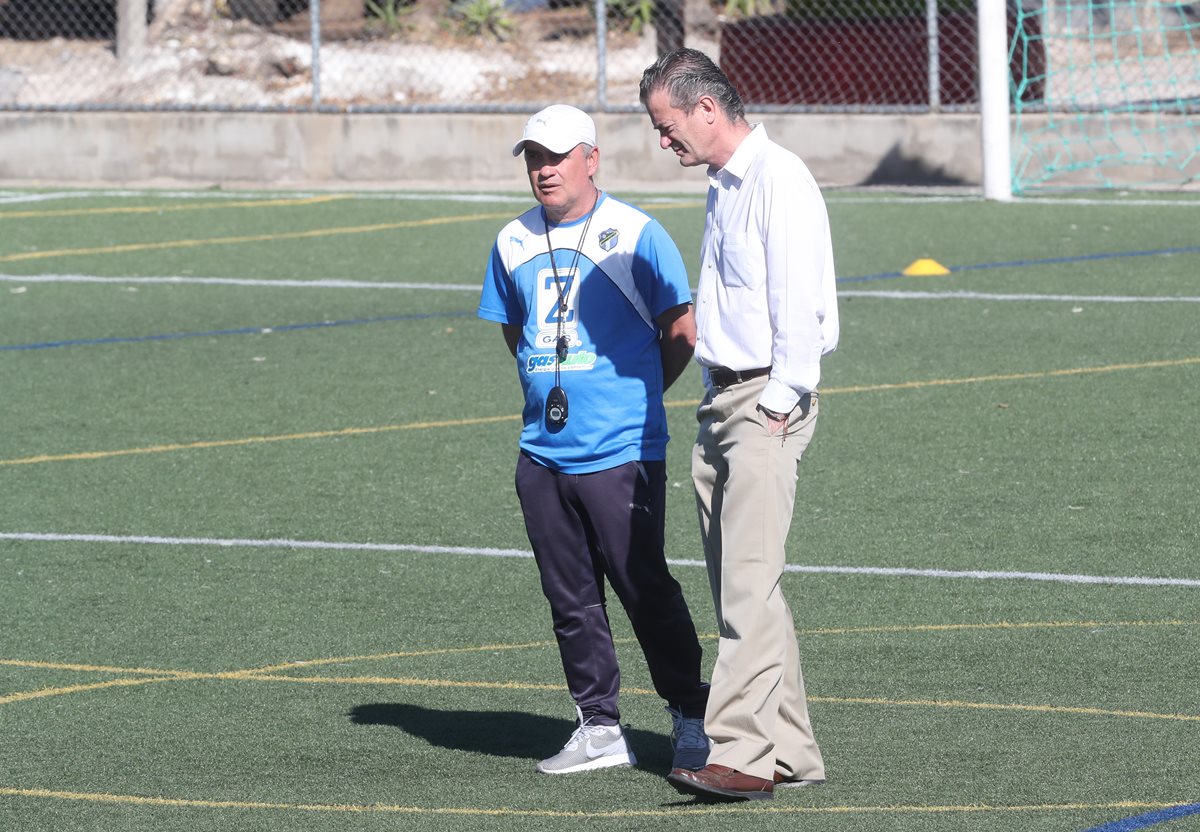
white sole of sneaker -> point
(609, 761)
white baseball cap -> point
(558, 128)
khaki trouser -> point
(745, 483)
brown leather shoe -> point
(782, 782)
(722, 781)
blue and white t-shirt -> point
(628, 272)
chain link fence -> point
(476, 55)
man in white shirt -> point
(766, 311)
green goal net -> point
(1109, 95)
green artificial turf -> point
(295, 596)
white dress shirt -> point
(767, 294)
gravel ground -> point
(227, 63)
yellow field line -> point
(485, 420)
(25, 696)
(1074, 371)
(408, 654)
(650, 208)
(272, 673)
(997, 625)
(163, 209)
(492, 648)
(406, 682)
(401, 681)
(93, 668)
(739, 809)
(816, 631)
(150, 677)
(250, 238)
(254, 440)
(994, 706)
(532, 645)
(835, 700)
(247, 676)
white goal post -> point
(994, 108)
(1085, 94)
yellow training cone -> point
(925, 268)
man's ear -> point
(709, 108)
(593, 162)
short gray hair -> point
(686, 75)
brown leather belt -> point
(723, 376)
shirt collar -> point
(741, 160)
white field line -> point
(325, 283)
(377, 196)
(335, 283)
(24, 199)
(856, 293)
(284, 543)
(850, 197)
(19, 198)
(267, 543)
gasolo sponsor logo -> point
(544, 362)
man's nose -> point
(664, 142)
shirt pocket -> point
(742, 261)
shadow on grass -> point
(502, 733)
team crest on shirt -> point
(608, 239)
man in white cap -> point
(593, 300)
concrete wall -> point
(441, 151)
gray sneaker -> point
(590, 747)
(688, 741)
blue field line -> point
(1044, 261)
(1148, 819)
(246, 330)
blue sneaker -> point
(688, 741)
